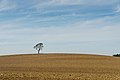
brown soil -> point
(59, 67)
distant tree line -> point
(116, 55)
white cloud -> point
(49, 4)
(71, 2)
(90, 30)
(85, 2)
(117, 9)
(6, 5)
(98, 2)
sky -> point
(71, 26)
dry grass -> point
(59, 67)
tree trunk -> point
(39, 51)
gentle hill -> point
(59, 67)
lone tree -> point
(39, 47)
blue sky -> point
(81, 26)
